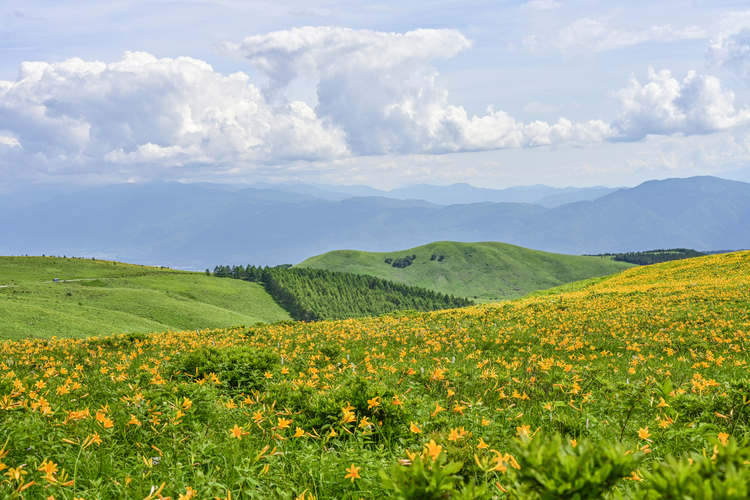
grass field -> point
(483, 271)
(101, 297)
(586, 392)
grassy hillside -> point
(631, 371)
(101, 297)
(483, 271)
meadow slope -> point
(652, 362)
(487, 271)
(101, 297)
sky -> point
(491, 93)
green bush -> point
(551, 469)
(428, 479)
(722, 475)
(239, 368)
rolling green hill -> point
(486, 271)
(101, 297)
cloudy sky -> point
(493, 93)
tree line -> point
(319, 294)
(653, 256)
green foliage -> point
(653, 256)
(402, 262)
(551, 469)
(697, 476)
(428, 479)
(319, 294)
(239, 368)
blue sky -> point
(495, 94)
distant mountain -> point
(455, 194)
(198, 226)
(485, 271)
(585, 194)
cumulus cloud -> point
(732, 51)
(380, 89)
(164, 111)
(590, 35)
(699, 104)
(377, 94)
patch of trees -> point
(319, 294)
(654, 256)
(401, 262)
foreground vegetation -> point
(488, 271)
(318, 294)
(596, 392)
(95, 297)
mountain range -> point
(195, 226)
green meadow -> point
(483, 272)
(102, 297)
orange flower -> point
(438, 409)
(413, 427)
(353, 473)
(433, 449)
(723, 438)
(237, 432)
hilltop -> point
(95, 297)
(485, 271)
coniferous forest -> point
(654, 256)
(318, 294)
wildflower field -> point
(633, 387)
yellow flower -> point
(353, 473)
(438, 409)
(237, 432)
(723, 438)
(49, 468)
(433, 449)
(189, 493)
(643, 433)
(523, 430)
(454, 435)
(372, 403)
(283, 423)
(348, 416)
(299, 432)
(133, 421)
(413, 427)
(364, 423)
(482, 445)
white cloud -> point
(700, 104)
(142, 109)
(590, 35)
(380, 89)
(732, 51)
(9, 141)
